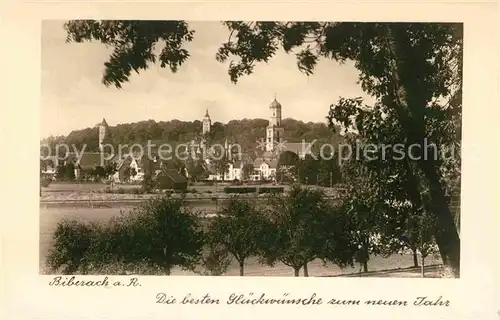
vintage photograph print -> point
(250, 148)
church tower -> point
(103, 133)
(274, 131)
(207, 123)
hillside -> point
(246, 132)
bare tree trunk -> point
(296, 271)
(166, 270)
(423, 267)
(415, 257)
(446, 235)
(365, 266)
(242, 265)
(306, 272)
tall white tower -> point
(274, 132)
(103, 130)
(207, 123)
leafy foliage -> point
(245, 132)
(298, 232)
(288, 163)
(147, 182)
(240, 228)
(408, 67)
(165, 233)
(65, 172)
(221, 164)
(288, 158)
(161, 234)
(323, 170)
(247, 170)
(216, 259)
(133, 44)
(72, 242)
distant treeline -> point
(245, 132)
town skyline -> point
(73, 95)
(200, 119)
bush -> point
(72, 241)
(157, 236)
(271, 190)
(83, 248)
(122, 268)
(164, 233)
(44, 182)
(209, 191)
(139, 190)
(120, 190)
(240, 189)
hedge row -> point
(240, 190)
(271, 190)
(259, 190)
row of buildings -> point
(130, 167)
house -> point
(87, 161)
(170, 179)
(129, 168)
(48, 172)
(48, 166)
(235, 171)
(214, 176)
(264, 169)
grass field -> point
(50, 215)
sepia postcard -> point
(208, 158)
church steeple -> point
(275, 116)
(207, 123)
(103, 133)
(274, 132)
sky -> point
(73, 96)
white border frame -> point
(27, 295)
